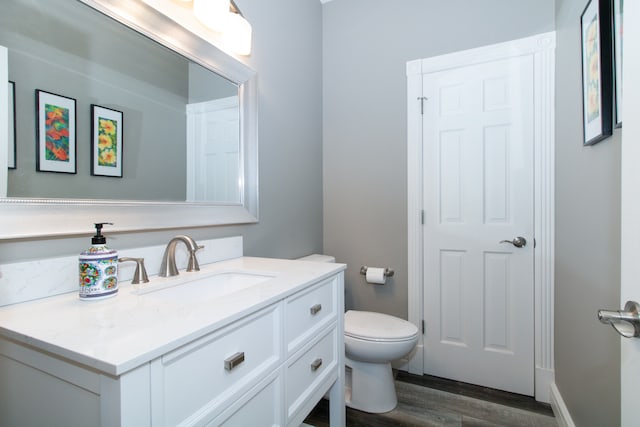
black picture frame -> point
(618, 14)
(12, 159)
(107, 141)
(55, 133)
(597, 70)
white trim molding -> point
(560, 410)
(542, 48)
(544, 205)
(414, 209)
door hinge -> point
(422, 217)
(423, 327)
(422, 99)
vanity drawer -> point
(306, 372)
(309, 311)
(199, 377)
(262, 406)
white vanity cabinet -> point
(313, 345)
(267, 366)
(195, 382)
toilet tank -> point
(318, 258)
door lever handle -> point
(518, 242)
(626, 323)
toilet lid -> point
(377, 326)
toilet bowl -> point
(372, 341)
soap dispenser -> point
(98, 268)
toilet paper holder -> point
(388, 272)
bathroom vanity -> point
(243, 342)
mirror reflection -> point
(180, 121)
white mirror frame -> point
(27, 218)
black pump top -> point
(99, 239)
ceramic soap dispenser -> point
(98, 268)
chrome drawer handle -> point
(315, 309)
(234, 361)
(316, 364)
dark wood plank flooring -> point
(425, 401)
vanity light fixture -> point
(212, 13)
(238, 33)
(224, 17)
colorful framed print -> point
(106, 141)
(617, 56)
(55, 133)
(11, 158)
(597, 70)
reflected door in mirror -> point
(213, 152)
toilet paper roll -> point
(376, 275)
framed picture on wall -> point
(617, 56)
(106, 141)
(597, 69)
(55, 133)
(11, 159)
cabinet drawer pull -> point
(315, 309)
(234, 361)
(316, 364)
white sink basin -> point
(213, 283)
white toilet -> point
(372, 341)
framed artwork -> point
(106, 141)
(11, 159)
(617, 55)
(597, 70)
(55, 133)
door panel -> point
(478, 191)
(213, 152)
(630, 207)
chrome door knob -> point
(626, 323)
(518, 242)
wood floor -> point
(431, 401)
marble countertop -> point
(118, 334)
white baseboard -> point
(411, 363)
(414, 363)
(560, 410)
(544, 379)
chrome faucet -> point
(168, 267)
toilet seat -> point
(379, 327)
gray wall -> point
(286, 54)
(366, 46)
(202, 87)
(587, 354)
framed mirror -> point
(168, 174)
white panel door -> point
(630, 267)
(213, 140)
(478, 191)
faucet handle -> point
(140, 275)
(193, 260)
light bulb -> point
(212, 13)
(237, 35)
